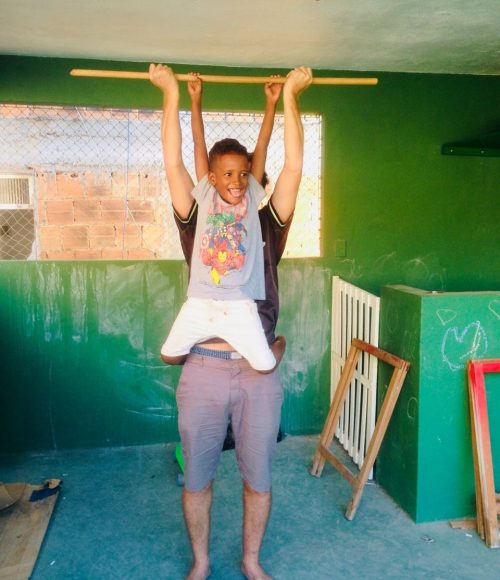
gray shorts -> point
(213, 391)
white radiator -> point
(355, 314)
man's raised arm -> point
(287, 185)
(179, 180)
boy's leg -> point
(250, 343)
(190, 326)
(278, 348)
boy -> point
(221, 294)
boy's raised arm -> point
(287, 186)
(272, 92)
(179, 180)
(195, 90)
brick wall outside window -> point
(82, 216)
(100, 191)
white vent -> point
(355, 314)
(16, 192)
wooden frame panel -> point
(323, 453)
(486, 499)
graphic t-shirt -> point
(274, 234)
(227, 261)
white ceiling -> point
(424, 36)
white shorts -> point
(235, 321)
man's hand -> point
(297, 80)
(195, 87)
(273, 92)
(163, 77)
(287, 185)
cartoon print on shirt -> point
(222, 246)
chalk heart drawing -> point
(459, 347)
(445, 315)
(494, 306)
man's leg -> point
(196, 506)
(256, 509)
(202, 397)
(256, 409)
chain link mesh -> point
(97, 184)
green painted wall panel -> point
(305, 295)
(397, 463)
(79, 351)
(450, 329)
(455, 328)
(408, 214)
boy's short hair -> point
(225, 147)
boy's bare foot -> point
(199, 572)
(278, 347)
(254, 572)
(174, 360)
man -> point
(216, 384)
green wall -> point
(425, 462)
(408, 215)
(80, 342)
(398, 460)
(79, 353)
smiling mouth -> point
(236, 192)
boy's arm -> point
(195, 90)
(272, 92)
(287, 186)
(179, 181)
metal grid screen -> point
(98, 185)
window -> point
(17, 220)
(98, 189)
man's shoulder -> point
(268, 214)
(190, 220)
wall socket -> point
(340, 249)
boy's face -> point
(229, 176)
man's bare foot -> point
(199, 572)
(278, 347)
(174, 360)
(254, 572)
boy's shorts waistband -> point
(222, 354)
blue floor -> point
(119, 516)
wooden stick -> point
(121, 74)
